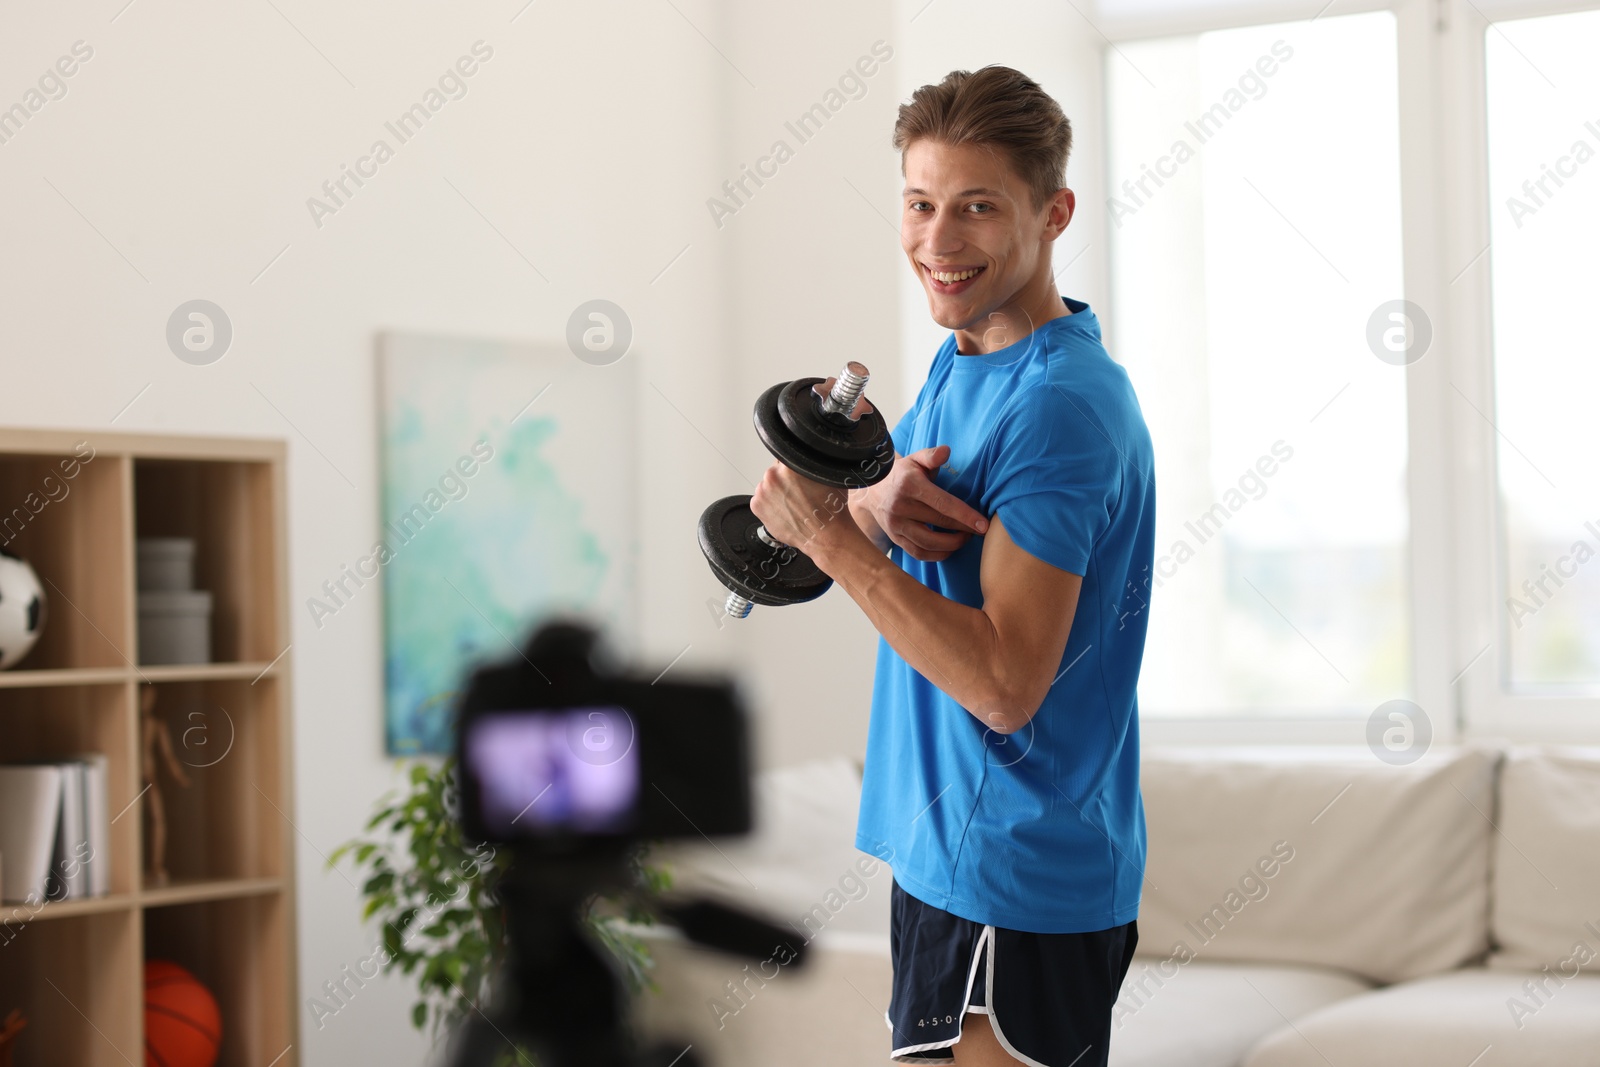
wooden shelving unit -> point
(227, 913)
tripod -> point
(562, 996)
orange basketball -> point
(182, 1026)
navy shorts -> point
(1048, 996)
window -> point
(1255, 218)
(1543, 97)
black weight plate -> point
(796, 454)
(832, 435)
(751, 567)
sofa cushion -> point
(800, 866)
(743, 1012)
(1210, 1014)
(1471, 1017)
(1546, 883)
(1321, 856)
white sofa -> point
(1303, 907)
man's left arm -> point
(997, 661)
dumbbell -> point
(823, 429)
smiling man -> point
(1002, 764)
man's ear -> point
(1061, 209)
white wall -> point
(178, 166)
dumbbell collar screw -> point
(841, 395)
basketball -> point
(182, 1026)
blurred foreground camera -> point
(571, 762)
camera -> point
(572, 762)
(561, 754)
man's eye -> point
(986, 208)
(918, 205)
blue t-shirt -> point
(1043, 829)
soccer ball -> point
(21, 609)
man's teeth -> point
(959, 276)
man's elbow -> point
(1009, 708)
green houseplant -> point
(434, 894)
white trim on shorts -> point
(994, 1022)
(987, 937)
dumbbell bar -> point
(828, 432)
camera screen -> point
(573, 769)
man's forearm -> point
(955, 647)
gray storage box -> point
(165, 564)
(174, 627)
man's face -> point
(965, 209)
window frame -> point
(1456, 577)
(1487, 704)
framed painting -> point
(508, 496)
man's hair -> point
(998, 107)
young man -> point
(1002, 767)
